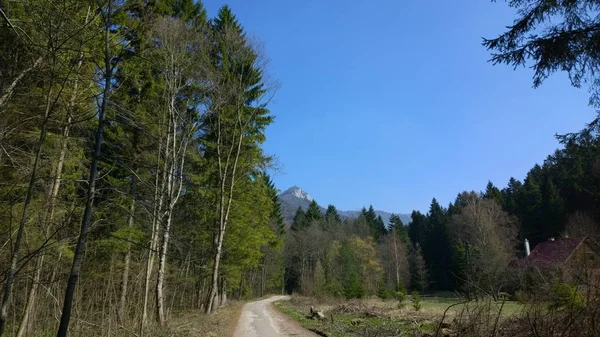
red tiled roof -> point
(553, 253)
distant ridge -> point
(295, 197)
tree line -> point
(132, 176)
(466, 246)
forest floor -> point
(197, 324)
(375, 317)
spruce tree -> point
(300, 220)
(512, 197)
(418, 228)
(370, 215)
(278, 225)
(379, 229)
(492, 192)
(437, 245)
(399, 228)
(331, 214)
(313, 213)
(553, 36)
(353, 288)
(553, 213)
(418, 270)
(331, 219)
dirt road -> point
(260, 319)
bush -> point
(335, 288)
(416, 300)
(566, 296)
(400, 296)
(383, 293)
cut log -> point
(315, 314)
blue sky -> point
(392, 103)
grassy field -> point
(374, 317)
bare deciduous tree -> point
(581, 224)
(488, 235)
(176, 44)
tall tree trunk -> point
(224, 212)
(223, 296)
(396, 260)
(241, 285)
(162, 255)
(21, 231)
(175, 152)
(215, 275)
(31, 297)
(262, 280)
(91, 192)
(127, 259)
(156, 221)
(160, 314)
(46, 223)
(6, 96)
(56, 182)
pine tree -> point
(437, 245)
(300, 220)
(553, 213)
(375, 223)
(555, 36)
(313, 213)
(370, 215)
(353, 288)
(531, 210)
(331, 219)
(511, 197)
(379, 229)
(418, 270)
(331, 214)
(399, 228)
(276, 218)
(492, 192)
(417, 228)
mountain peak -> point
(295, 197)
(297, 192)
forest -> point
(134, 182)
(132, 176)
(479, 233)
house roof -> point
(553, 253)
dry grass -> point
(197, 324)
(374, 317)
(368, 317)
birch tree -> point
(176, 44)
(234, 124)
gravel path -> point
(260, 319)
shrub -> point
(400, 295)
(335, 288)
(566, 296)
(383, 293)
(416, 300)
